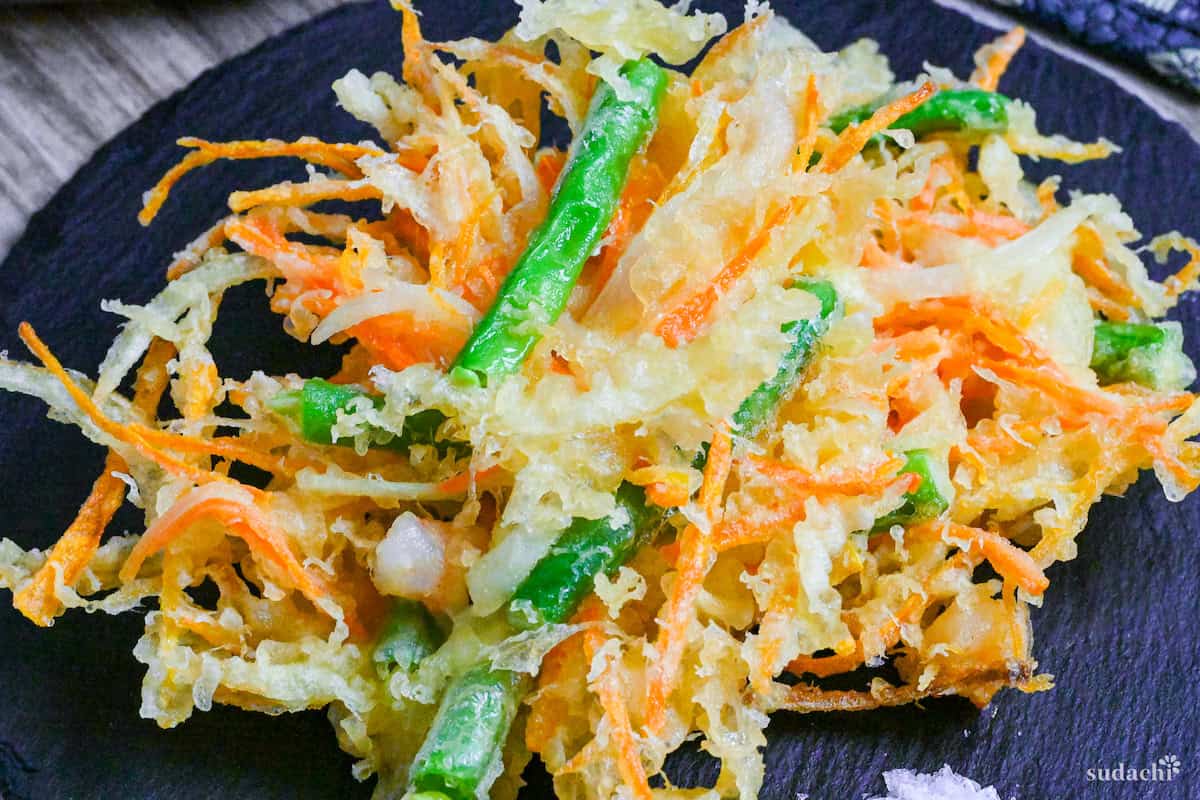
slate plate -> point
(1118, 630)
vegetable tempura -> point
(633, 442)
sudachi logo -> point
(1166, 768)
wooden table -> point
(73, 76)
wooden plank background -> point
(72, 76)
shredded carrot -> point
(1088, 262)
(806, 129)
(889, 633)
(1183, 280)
(463, 481)
(75, 548)
(1047, 198)
(665, 487)
(1013, 563)
(987, 76)
(967, 314)
(1016, 630)
(684, 322)
(763, 527)
(303, 194)
(608, 689)
(780, 608)
(339, 157)
(852, 140)
(549, 165)
(996, 228)
(311, 266)
(838, 663)
(889, 231)
(547, 709)
(418, 70)
(241, 518)
(846, 482)
(735, 38)
(696, 557)
(187, 259)
(666, 495)
(1109, 308)
(645, 183)
(124, 433)
(875, 257)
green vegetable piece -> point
(559, 582)
(758, 408)
(1151, 355)
(461, 756)
(537, 289)
(921, 504)
(962, 110)
(314, 408)
(411, 634)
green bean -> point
(923, 503)
(314, 409)
(759, 407)
(462, 753)
(559, 582)
(962, 110)
(1151, 355)
(411, 634)
(536, 291)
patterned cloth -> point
(1161, 34)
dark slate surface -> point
(1118, 630)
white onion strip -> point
(422, 302)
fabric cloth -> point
(1163, 35)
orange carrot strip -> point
(608, 689)
(187, 259)
(1046, 196)
(123, 433)
(303, 194)
(667, 495)
(339, 157)
(460, 483)
(987, 76)
(806, 130)
(696, 557)
(761, 528)
(1179, 283)
(240, 518)
(1013, 563)
(848, 482)
(313, 267)
(75, 548)
(548, 166)
(645, 183)
(852, 140)
(1109, 308)
(1000, 227)
(889, 634)
(1088, 263)
(149, 441)
(683, 323)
